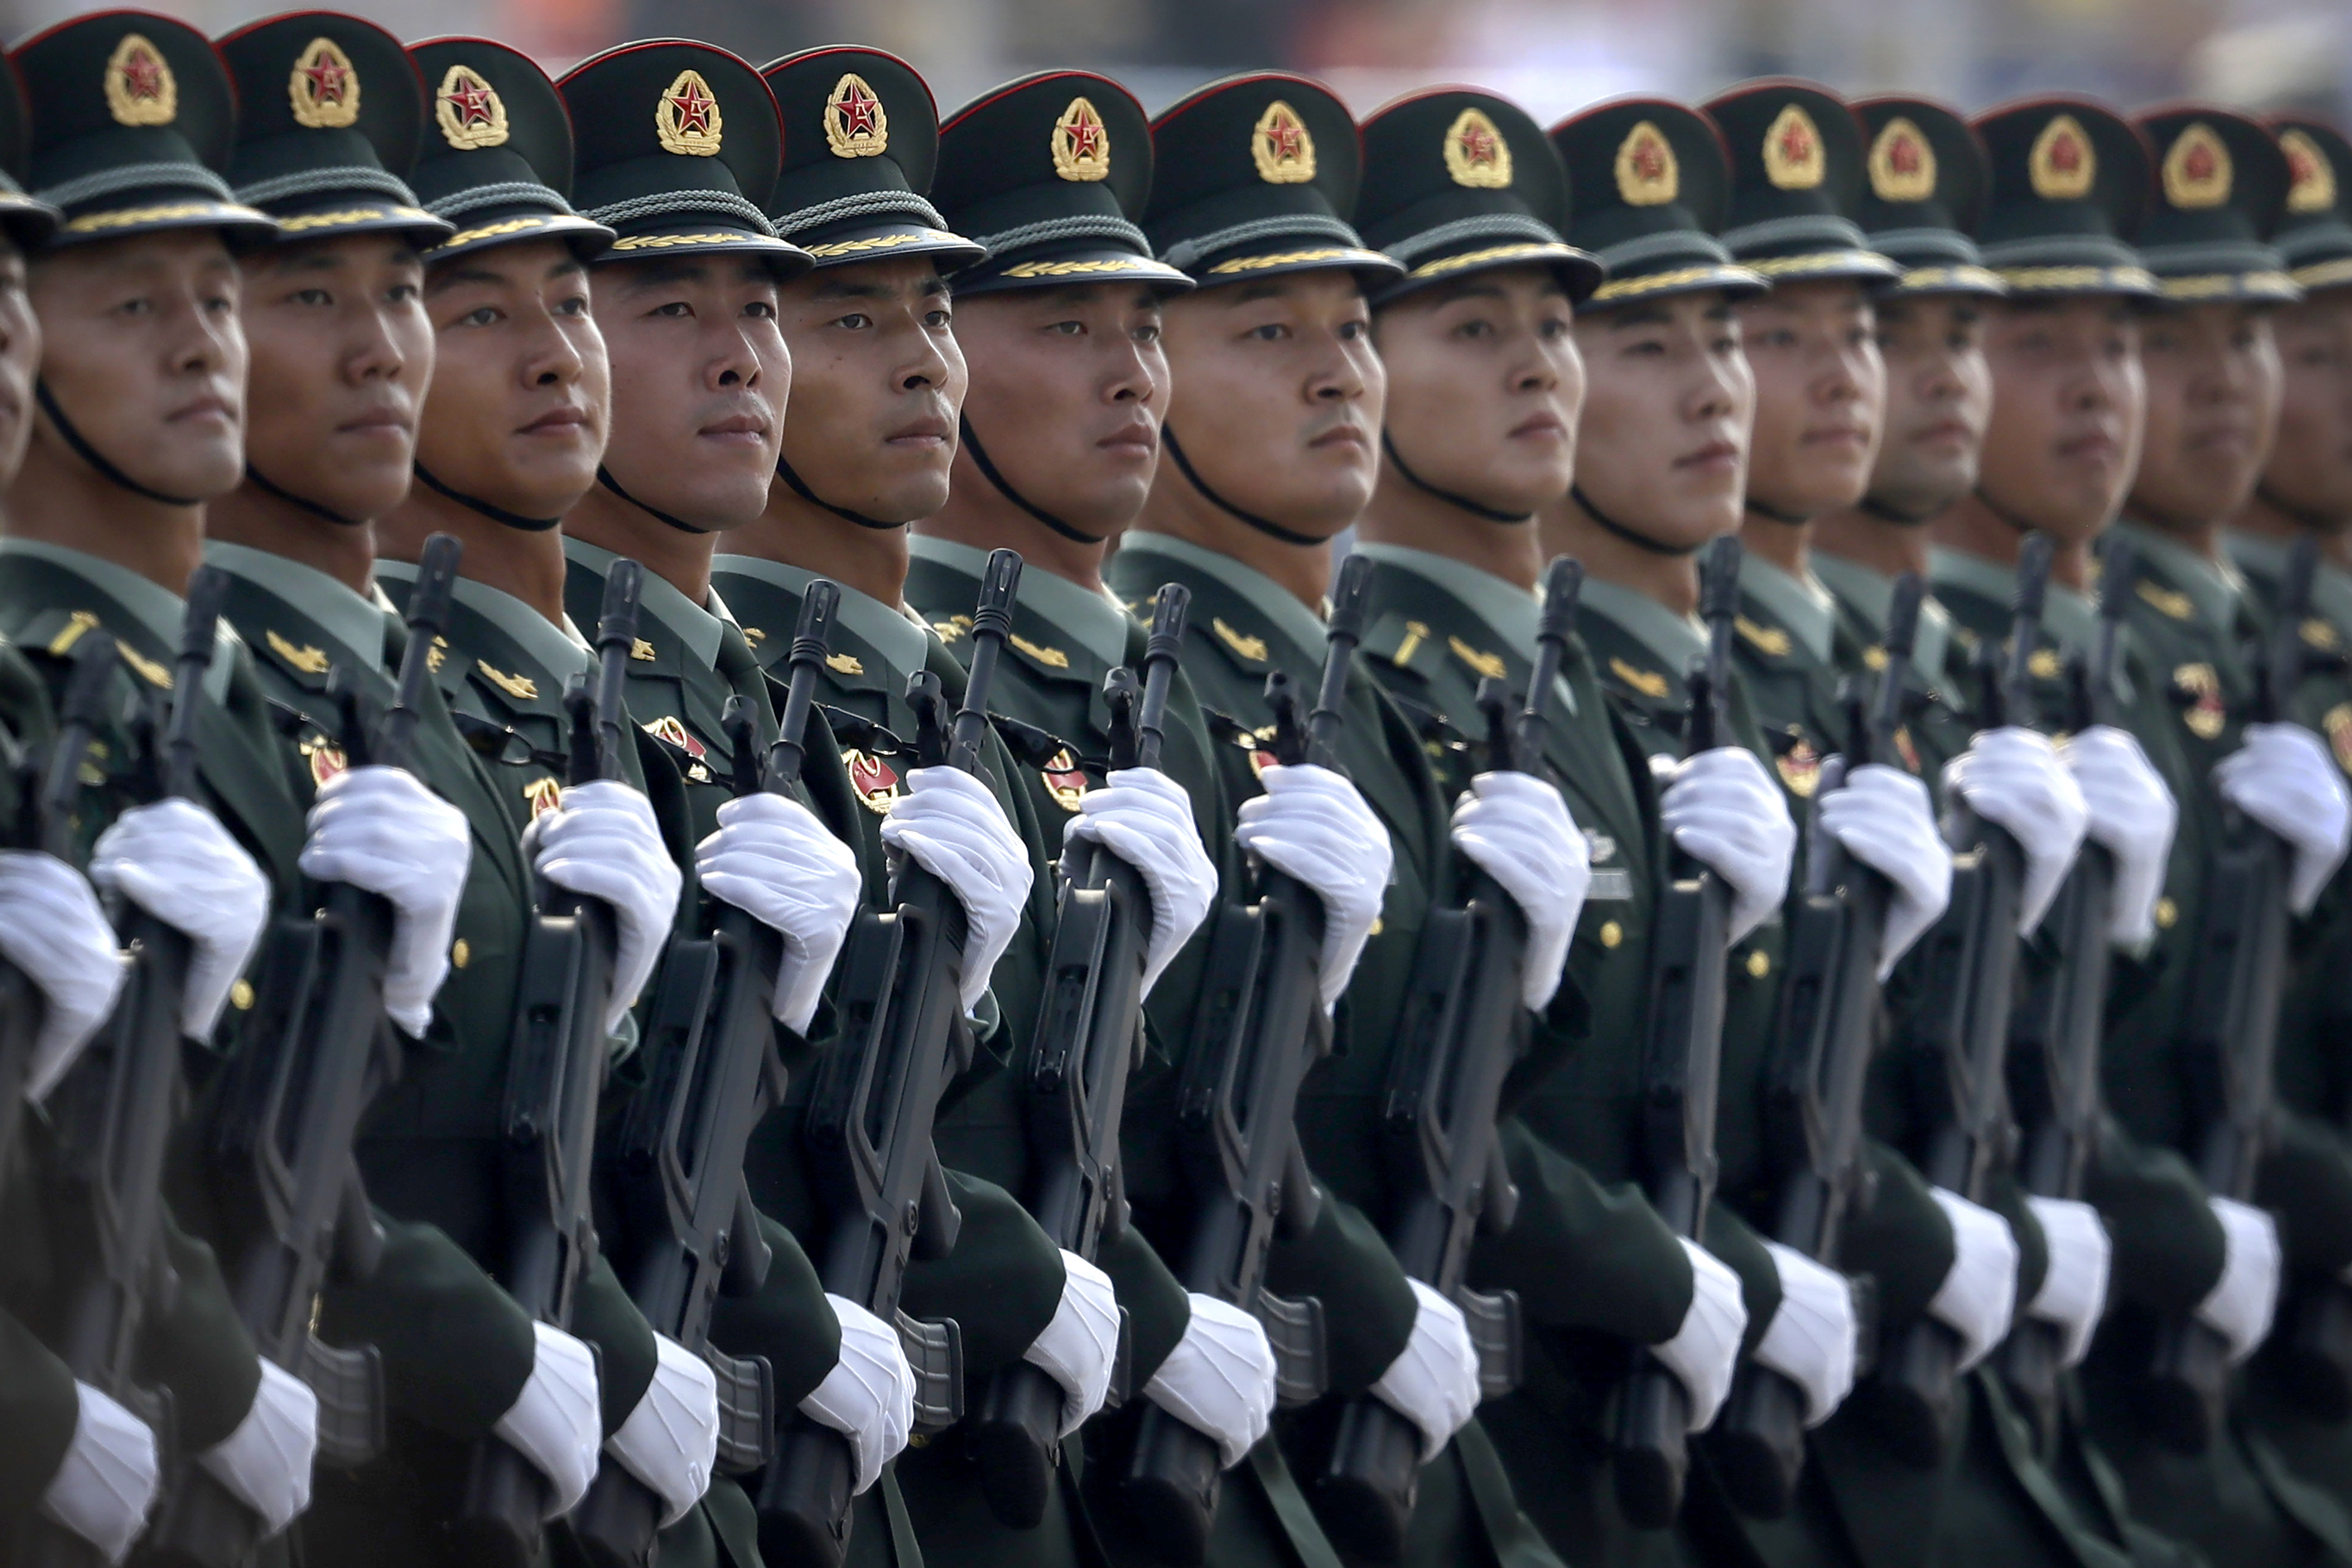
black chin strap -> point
(1772, 514)
(1611, 525)
(476, 504)
(1387, 445)
(96, 459)
(800, 488)
(1886, 513)
(263, 480)
(2001, 512)
(2317, 522)
(988, 471)
(1265, 526)
(604, 477)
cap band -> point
(1090, 225)
(1487, 226)
(1676, 243)
(863, 204)
(1185, 253)
(701, 203)
(1803, 227)
(2324, 275)
(135, 177)
(475, 198)
(337, 180)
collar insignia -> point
(1769, 640)
(670, 729)
(953, 627)
(544, 795)
(856, 123)
(1902, 164)
(2197, 172)
(844, 664)
(2171, 601)
(310, 661)
(1647, 173)
(522, 689)
(2044, 664)
(1081, 143)
(1248, 647)
(139, 87)
(2320, 634)
(1282, 147)
(1064, 778)
(79, 622)
(154, 672)
(1490, 665)
(2314, 190)
(687, 121)
(1475, 153)
(1792, 150)
(2062, 165)
(2205, 715)
(1415, 633)
(469, 111)
(1051, 658)
(324, 87)
(436, 655)
(326, 759)
(875, 781)
(641, 649)
(1800, 768)
(1649, 683)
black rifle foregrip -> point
(2185, 1395)
(1653, 1449)
(2316, 1346)
(617, 1523)
(1369, 1488)
(1914, 1394)
(806, 1495)
(2028, 1362)
(1171, 1484)
(1757, 1446)
(1014, 1437)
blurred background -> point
(1553, 56)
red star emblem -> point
(1796, 145)
(857, 112)
(1284, 136)
(473, 101)
(2198, 165)
(142, 73)
(694, 107)
(1904, 155)
(1477, 145)
(326, 77)
(2299, 166)
(1085, 137)
(2066, 155)
(1650, 162)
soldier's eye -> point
(677, 308)
(856, 322)
(312, 297)
(481, 316)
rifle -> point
(555, 1075)
(2230, 1033)
(1960, 1050)
(1089, 1037)
(1259, 1026)
(903, 1039)
(1681, 1061)
(1465, 1027)
(1829, 1028)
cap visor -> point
(2333, 273)
(363, 215)
(1074, 265)
(890, 241)
(1317, 255)
(1579, 270)
(587, 239)
(2196, 288)
(1739, 282)
(239, 225)
(1845, 263)
(1949, 277)
(712, 236)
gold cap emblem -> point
(1081, 143)
(1475, 153)
(139, 87)
(2314, 175)
(1647, 173)
(324, 87)
(1792, 150)
(856, 123)
(1902, 164)
(1281, 146)
(2062, 165)
(686, 119)
(469, 111)
(2197, 172)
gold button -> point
(1759, 963)
(1611, 934)
(460, 953)
(240, 995)
(2166, 912)
(1376, 926)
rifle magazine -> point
(1496, 1335)
(934, 1349)
(747, 1410)
(350, 1386)
(1302, 1361)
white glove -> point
(2240, 1305)
(773, 860)
(556, 1421)
(265, 1462)
(1434, 1380)
(2074, 1287)
(869, 1396)
(1517, 830)
(955, 829)
(2283, 779)
(1079, 1349)
(1812, 1338)
(173, 858)
(670, 1440)
(1978, 1296)
(1311, 825)
(1144, 818)
(1705, 1349)
(601, 842)
(107, 1481)
(1724, 811)
(1219, 1380)
(2133, 814)
(379, 828)
(52, 928)
(1883, 818)
(2013, 778)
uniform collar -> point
(156, 608)
(1871, 595)
(559, 650)
(2331, 590)
(701, 628)
(1800, 603)
(1511, 612)
(1301, 625)
(1674, 640)
(351, 619)
(2214, 587)
(2069, 618)
(888, 629)
(1089, 619)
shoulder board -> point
(1241, 646)
(1769, 641)
(644, 652)
(1403, 642)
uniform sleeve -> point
(788, 1320)
(200, 1350)
(1582, 1254)
(1001, 1284)
(1368, 1307)
(2306, 1180)
(457, 1349)
(2169, 1248)
(38, 1411)
(1158, 1309)
(603, 1314)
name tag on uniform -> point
(1609, 881)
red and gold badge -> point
(668, 728)
(326, 759)
(2205, 715)
(1800, 768)
(2062, 165)
(2197, 172)
(469, 110)
(139, 87)
(856, 123)
(1282, 147)
(1902, 164)
(1647, 173)
(876, 782)
(1475, 153)
(1794, 160)
(2338, 724)
(544, 795)
(1081, 143)
(1064, 778)
(2314, 174)
(324, 87)
(687, 121)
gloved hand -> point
(1724, 811)
(773, 860)
(107, 1481)
(2012, 778)
(1311, 825)
(379, 828)
(601, 842)
(1079, 1347)
(1812, 1338)
(955, 829)
(1144, 818)
(1434, 1380)
(52, 928)
(670, 1440)
(2283, 779)
(1219, 1380)
(1516, 828)
(265, 1462)
(2074, 1287)
(173, 858)
(1883, 818)
(1978, 1295)
(869, 1396)
(2133, 814)
(555, 1422)
(1705, 1350)
(2239, 1306)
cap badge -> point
(324, 87)
(2314, 175)
(686, 119)
(1475, 153)
(2062, 165)
(1792, 150)
(856, 123)
(1282, 147)
(2197, 172)
(1902, 164)
(469, 110)
(1081, 143)
(140, 87)
(1647, 173)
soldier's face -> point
(2213, 384)
(2310, 469)
(1821, 395)
(142, 347)
(343, 353)
(1278, 396)
(881, 381)
(521, 390)
(2063, 440)
(20, 359)
(1067, 389)
(1486, 386)
(1938, 399)
(1663, 442)
(700, 378)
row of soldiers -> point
(734, 384)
